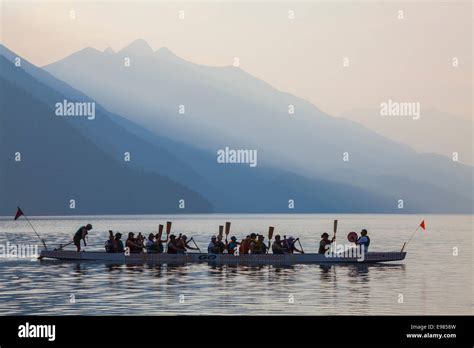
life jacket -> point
(151, 247)
(160, 247)
(118, 246)
(231, 247)
(260, 247)
(173, 249)
(244, 247)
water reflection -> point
(44, 287)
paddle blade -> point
(227, 228)
(270, 232)
(335, 226)
(168, 227)
(221, 230)
(160, 231)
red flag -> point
(422, 225)
(18, 213)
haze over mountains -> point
(435, 131)
(64, 163)
(225, 106)
(174, 155)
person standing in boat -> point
(133, 244)
(325, 243)
(81, 234)
(363, 241)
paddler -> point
(173, 247)
(213, 247)
(363, 241)
(151, 246)
(81, 234)
(109, 244)
(159, 243)
(232, 245)
(277, 246)
(133, 244)
(118, 244)
(245, 245)
(257, 246)
(220, 244)
(183, 245)
(325, 243)
(289, 245)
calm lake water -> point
(431, 279)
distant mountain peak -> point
(165, 52)
(138, 47)
(109, 50)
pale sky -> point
(406, 59)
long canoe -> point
(266, 259)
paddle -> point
(65, 245)
(192, 238)
(335, 229)
(301, 247)
(221, 230)
(227, 229)
(168, 231)
(160, 232)
(270, 236)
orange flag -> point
(422, 225)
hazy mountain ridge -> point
(226, 106)
(243, 189)
(58, 163)
(435, 132)
(231, 189)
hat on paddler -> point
(324, 235)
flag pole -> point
(32, 227)
(409, 240)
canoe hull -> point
(267, 259)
